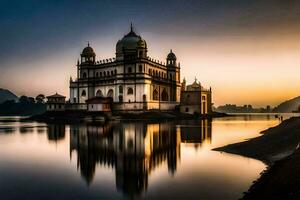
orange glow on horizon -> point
(258, 70)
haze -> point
(247, 51)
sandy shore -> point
(274, 144)
(278, 148)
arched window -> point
(84, 75)
(97, 74)
(115, 72)
(100, 74)
(141, 54)
(129, 70)
(155, 95)
(112, 72)
(140, 68)
(107, 73)
(164, 95)
(83, 93)
(149, 71)
(99, 93)
(121, 89)
(110, 93)
(129, 91)
(104, 73)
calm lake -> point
(116, 160)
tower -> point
(88, 55)
(88, 59)
(173, 71)
(183, 85)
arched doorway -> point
(129, 91)
(155, 95)
(121, 89)
(144, 102)
(164, 95)
(110, 93)
(99, 93)
(83, 93)
(120, 98)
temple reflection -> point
(133, 149)
(196, 132)
(56, 132)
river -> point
(128, 159)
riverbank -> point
(277, 147)
(83, 116)
(280, 181)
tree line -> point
(25, 106)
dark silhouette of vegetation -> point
(40, 98)
(25, 106)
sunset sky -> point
(248, 51)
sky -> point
(248, 51)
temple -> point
(133, 82)
(132, 79)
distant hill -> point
(288, 106)
(7, 95)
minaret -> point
(183, 85)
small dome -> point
(88, 51)
(171, 56)
(130, 41)
(142, 43)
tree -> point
(40, 98)
(31, 100)
(23, 99)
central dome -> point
(130, 41)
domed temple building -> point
(132, 80)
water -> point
(169, 159)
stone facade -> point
(56, 102)
(195, 99)
(99, 104)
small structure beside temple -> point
(56, 102)
(99, 104)
(195, 99)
